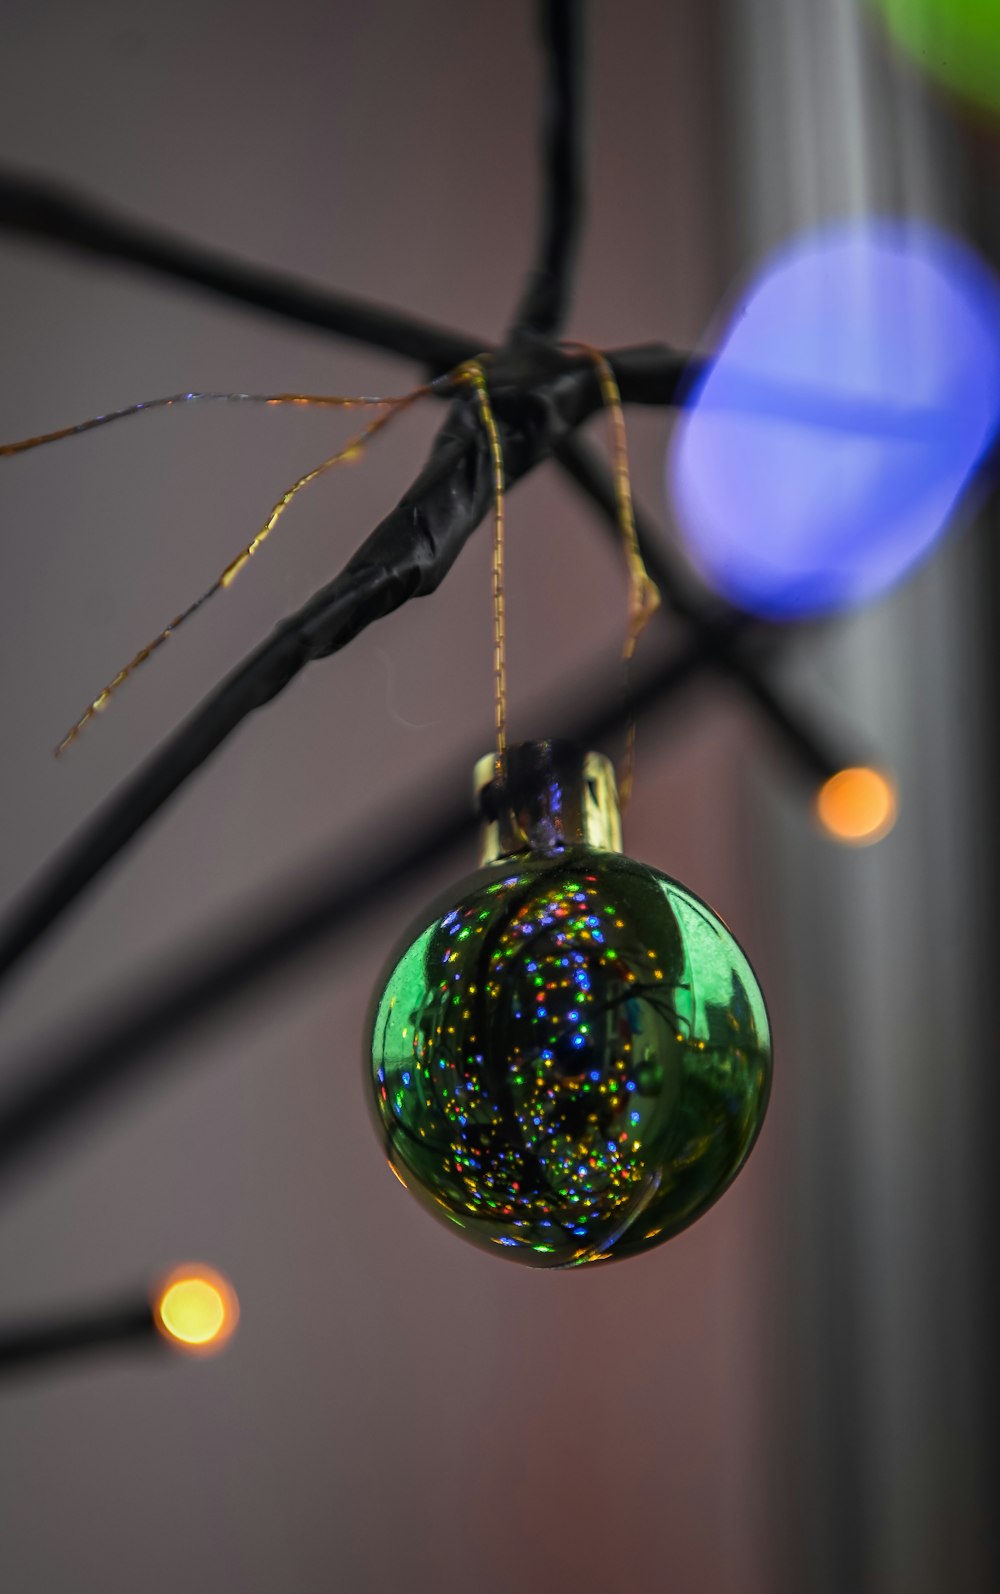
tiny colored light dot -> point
(196, 1309)
(857, 806)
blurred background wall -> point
(793, 1395)
(889, 1218)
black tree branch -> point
(726, 636)
(53, 215)
(49, 214)
(545, 304)
(539, 398)
(31, 1345)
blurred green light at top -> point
(955, 41)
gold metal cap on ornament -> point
(544, 796)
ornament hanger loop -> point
(644, 595)
(474, 372)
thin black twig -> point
(545, 303)
(50, 214)
(728, 638)
(36, 1345)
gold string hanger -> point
(474, 372)
(643, 596)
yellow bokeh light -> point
(196, 1310)
(857, 806)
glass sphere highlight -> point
(569, 1057)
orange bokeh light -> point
(857, 806)
(196, 1310)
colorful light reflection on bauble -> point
(569, 1055)
(849, 402)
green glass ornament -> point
(569, 1053)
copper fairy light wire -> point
(390, 407)
(351, 451)
(316, 400)
(473, 371)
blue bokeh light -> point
(850, 399)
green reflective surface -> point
(570, 1057)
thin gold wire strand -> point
(473, 371)
(315, 400)
(351, 451)
(643, 594)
